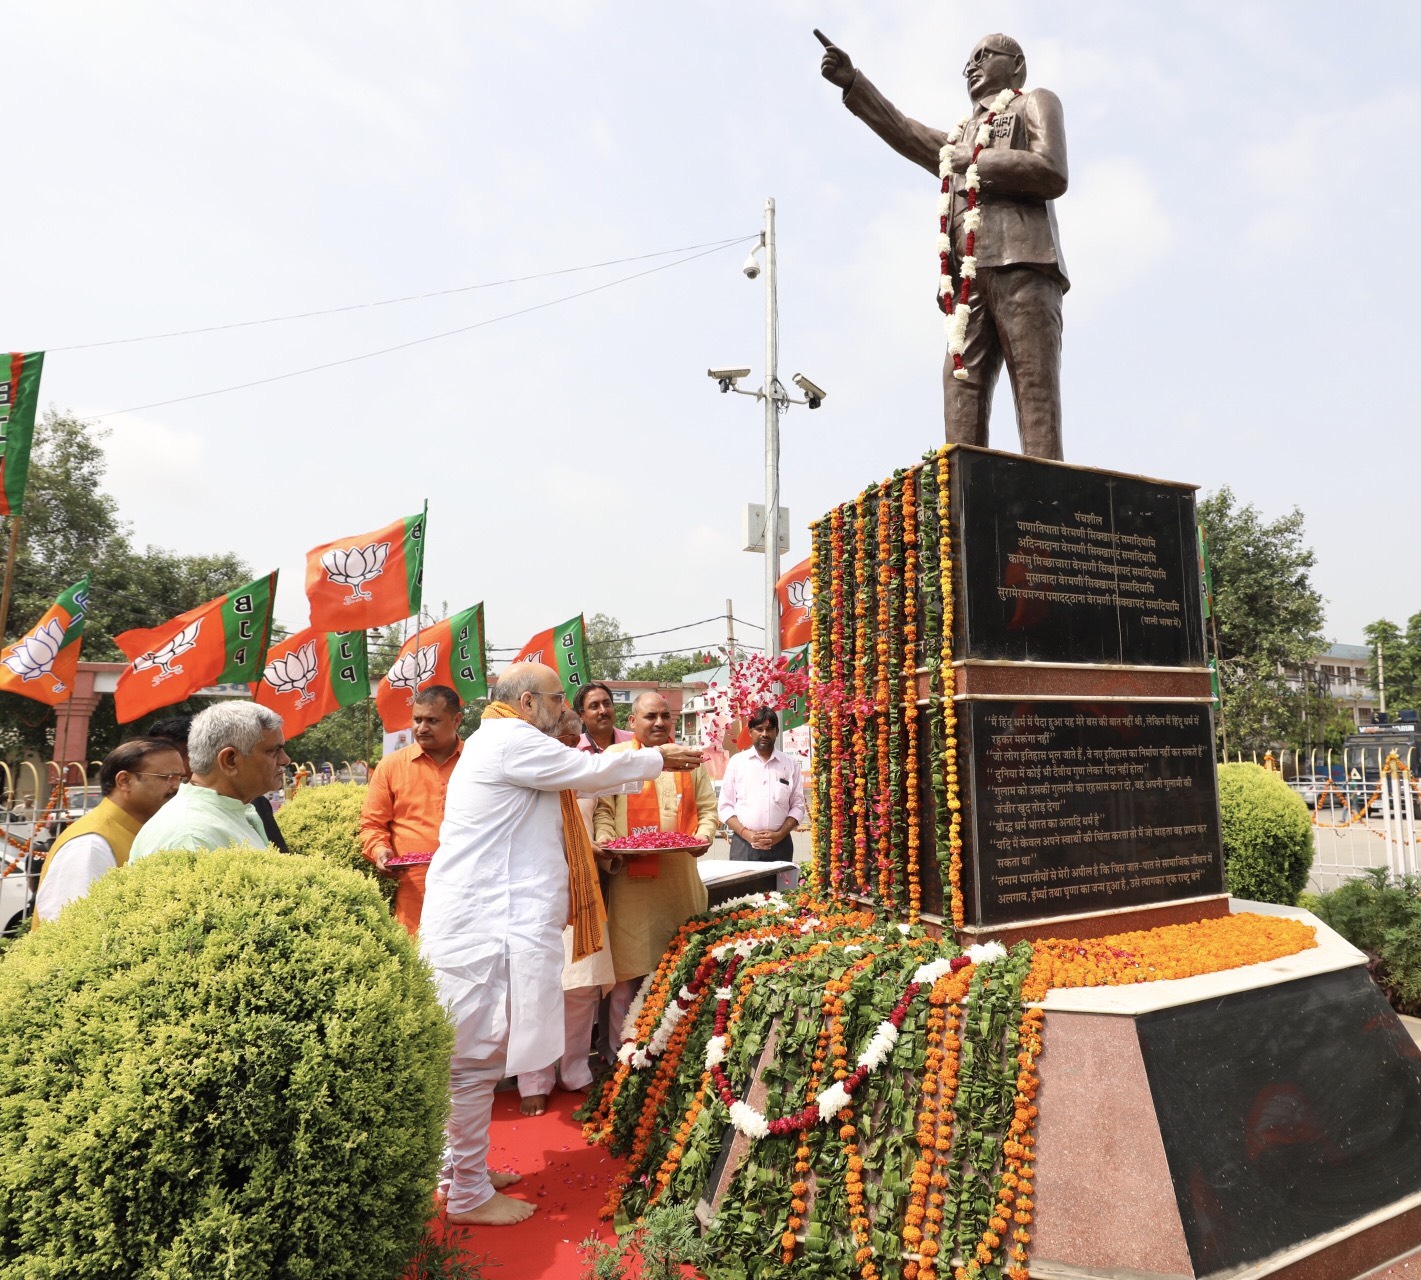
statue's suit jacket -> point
(1023, 170)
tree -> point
(71, 527)
(608, 647)
(1268, 615)
(1401, 661)
(673, 668)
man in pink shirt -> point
(762, 796)
(593, 705)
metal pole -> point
(1381, 679)
(9, 573)
(772, 441)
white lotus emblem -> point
(355, 566)
(534, 657)
(799, 593)
(34, 655)
(413, 669)
(294, 672)
(164, 654)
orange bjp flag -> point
(367, 579)
(220, 642)
(311, 674)
(795, 590)
(564, 648)
(450, 653)
(49, 651)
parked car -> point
(16, 890)
(1318, 788)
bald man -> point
(496, 900)
(652, 895)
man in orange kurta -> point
(405, 801)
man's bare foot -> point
(502, 1178)
(501, 1211)
(534, 1104)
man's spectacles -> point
(165, 777)
(559, 696)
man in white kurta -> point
(496, 901)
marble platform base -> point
(1259, 1122)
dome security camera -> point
(752, 266)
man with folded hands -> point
(653, 894)
(404, 803)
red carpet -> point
(565, 1178)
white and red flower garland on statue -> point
(957, 315)
(833, 1099)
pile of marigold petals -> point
(1173, 951)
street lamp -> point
(777, 400)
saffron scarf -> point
(585, 912)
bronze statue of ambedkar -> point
(1020, 274)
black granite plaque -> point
(1072, 806)
(1285, 1112)
(1068, 564)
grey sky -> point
(1239, 233)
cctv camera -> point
(752, 266)
(727, 377)
(812, 394)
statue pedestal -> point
(1258, 1122)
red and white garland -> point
(832, 1100)
(958, 314)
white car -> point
(16, 891)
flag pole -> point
(10, 556)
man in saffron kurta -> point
(496, 901)
(653, 895)
(137, 779)
(404, 804)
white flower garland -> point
(957, 315)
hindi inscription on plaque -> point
(1079, 806)
(1068, 564)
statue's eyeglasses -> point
(981, 55)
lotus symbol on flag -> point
(294, 673)
(799, 593)
(34, 656)
(413, 669)
(355, 566)
(164, 654)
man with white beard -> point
(496, 900)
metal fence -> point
(1366, 809)
(37, 800)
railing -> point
(32, 800)
(1366, 807)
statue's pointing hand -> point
(835, 66)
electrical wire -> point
(390, 302)
(404, 346)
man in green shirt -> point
(236, 751)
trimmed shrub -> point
(325, 823)
(219, 1064)
(1267, 834)
(1382, 916)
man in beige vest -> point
(137, 779)
(652, 895)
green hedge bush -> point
(219, 1064)
(325, 823)
(1383, 916)
(1267, 834)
